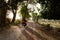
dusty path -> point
(36, 29)
(32, 32)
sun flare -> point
(10, 15)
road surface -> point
(33, 31)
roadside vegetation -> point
(50, 24)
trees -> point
(25, 9)
(24, 12)
(51, 10)
(4, 6)
(3, 10)
(14, 5)
(55, 9)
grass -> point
(53, 23)
(50, 24)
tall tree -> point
(24, 12)
(4, 6)
(3, 10)
(51, 10)
(14, 5)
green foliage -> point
(34, 16)
(45, 14)
(51, 10)
(17, 22)
(13, 3)
(24, 12)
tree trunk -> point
(3, 10)
(14, 16)
(3, 19)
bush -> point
(17, 22)
(48, 27)
(58, 29)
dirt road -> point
(33, 31)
